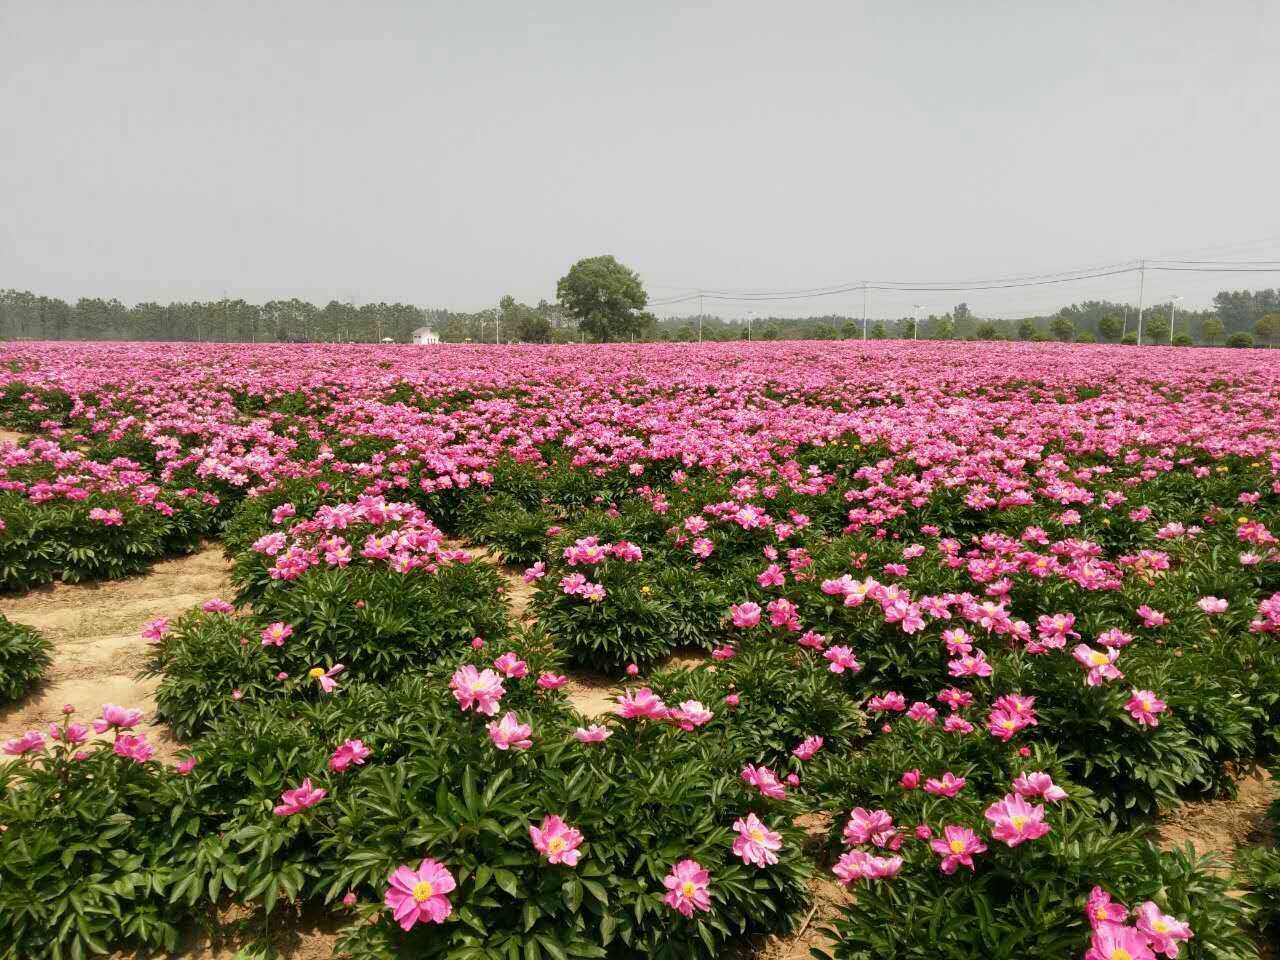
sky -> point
(447, 153)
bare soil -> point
(97, 647)
(1223, 826)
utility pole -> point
(1172, 302)
(497, 315)
(751, 316)
(915, 321)
(864, 310)
(1142, 279)
(699, 316)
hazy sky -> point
(447, 153)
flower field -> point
(951, 625)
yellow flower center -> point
(1018, 822)
(1098, 659)
(1160, 927)
(422, 891)
(1008, 724)
(1120, 953)
(556, 844)
(756, 835)
(315, 673)
(1146, 705)
(1100, 913)
(957, 846)
(688, 889)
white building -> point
(425, 335)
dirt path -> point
(1223, 826)
(94, 628)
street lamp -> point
(1172, 302)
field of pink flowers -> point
(987, 609)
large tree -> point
(605, 297)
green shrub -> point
(24, 655)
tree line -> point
(601, 300)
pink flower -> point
(72, 733)
(535, 573)
(118, 718)
(725, 652)
(772, 576)
(592, 734)
(133, 746)
(642, 704)
(764, 780)
(807, 748)
(687, 888)
(860, 865)
(957, 846)
(511, 666)
(216, 605)
(864, 825)
(478, 689)
(732, 700)
(1100, 664)
(755, 842)
(842, 659)
(910, 780)
(326, 677)
(1015, 821)
(745, 615)
(1144, 706)
(1163, 930)
(556, 841)
(891, 702)
(633, 670)
(154, 630)
(1151, 618)
(351, 751)
(1102, 909)
(1114, 942)
(276, 634)
(551, 681)
(970, 665)
(1212, 605)
(690, 714)
(420, 895)
(30, 742)
(922, 712)
(1038, 785)
(1003, 724)
(509, 732)
(948, 786)
(185, 767)
(299, 799)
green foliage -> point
(24, 655)
(605, 297)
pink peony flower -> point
(1151, 618)
(688, 888)
(1099, 663)
(415, 896)
(326, 677)
(556, 841)
(117, 718)
(30, 742)
(551, 681)
(509, 732)
(133, 746)
(1163, 930)
(948, 786)
(216, 605)
(910, 780)
(592, 734)
(478, 689)
(185, 767)
(1144, 706)
(957, 847)
(874, 826)
(756, 843)
(511, 666)
(860, 865)
(842, 659)
(745, 614)
(154, 630)
(807, 748)
(1101, 909)
(71, 733)
(1212, 605)
(1114, 942)
(1038, 785)
(642, 704)
(1015, 821)
(764, 780)
(689, 715)
(276, 634)
(299, 799)
(349, 752)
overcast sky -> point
(447, 153)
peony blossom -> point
(869, 826)
(592, 734)
(688, 888)
(1163, 930)
(642, 704)
(1015, 821)
(755, 842)
(1038, 785)
(551, 681)
(1113, 942)
(134, 747)
(117, 718)
(415, 896)
(477, 689)
(351, 751)
(511, 666)
(326, 677)
(948, 786)
(807, 748)
(276, 634)
(1144, 706)
(689, 715)
(745, 614)
(30, 742)
(299, 799)
(957, 847)
(764, 780)
(556, 841)
(510, 733)
(841, 659)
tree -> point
(877, 330)
(1267, 329)
(1110, 327)
(1156, 329)
(1026, 329)
(1240, 339)
(1062, 327)
(986, 330)
(1212, 330)
(604, 297)
(849, 331)
(961, 312)
(944, 327)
